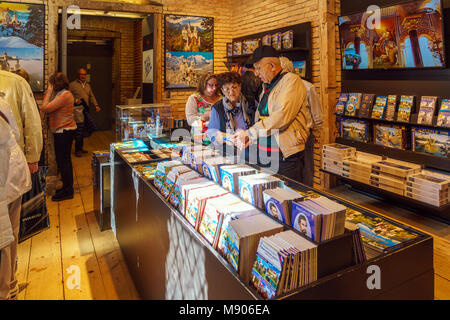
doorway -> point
(96, 56)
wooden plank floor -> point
(74, 247)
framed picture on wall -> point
(189, 50)
(147, 66)
(22, 40)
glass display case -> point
(142, 121)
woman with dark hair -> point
(58, 103)
(229, 114)
(198, 106)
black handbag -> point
(34, 215)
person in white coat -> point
(18, 182)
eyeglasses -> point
(228, 89)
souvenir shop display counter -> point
(168, 259)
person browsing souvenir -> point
(199, 104)
(230, 114)
(281, 130)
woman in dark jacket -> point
(229, 114)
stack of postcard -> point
(284, 262)
(211, 166)
(278, 203)
(359, 168)
(196, 201)
(432, 187)
(186, 187)
(242, 241)
(171, 178)
(135, 157)
(319, 219)
(197, 158)
(333, 156)
(162, 169)
(218, 212)
(251, 187)
(391, 174)
(147, 170)
(183, 179)
(229, 175)
(187, 150)
(378, 235)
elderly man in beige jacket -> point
(281, 129)
(17, 93)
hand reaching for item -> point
(241, 139)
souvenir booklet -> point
(404, 108)
(251, 187)
(248, 46)
(243, 238)
(276, 41)
(391, 136)
(431, 141)
(379, 107)
(353, 103)
(229, 175)
(391, 107)
(340, 105)
(377, 233)
(355, 129)
(444, 114)
(426, 110)
(229, 49)
(366, 105)
(237, 48)
(287, 39)
(278, 203)
(266, 40)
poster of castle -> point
(189, 50)
(22, 40)
(408, 35)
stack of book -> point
(211, 166)
(284, 262)
(242, 239)
(333, 156)
(229, 175)
(391, 174)
(358, 247)
(251, 187)
(359, 168)
(162, 169)
(319, 218)
(278, 203)
(196, 201)
(377, 234)
(218, 213)
(430, 187)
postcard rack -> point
(168, 259)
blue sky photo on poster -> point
(183, 69)
(22, 40)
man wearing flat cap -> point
(282, 116)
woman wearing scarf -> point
(229, 114)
